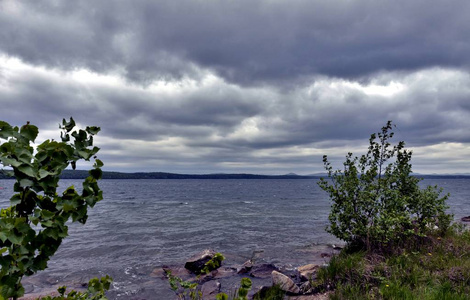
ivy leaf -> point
(85, 154)
(98, 163)
(10, 162)
(68, 126)
(15, 199)
(41, 156)
(6, 131)
(28, 170)
(96, 173)
(13, 238)
(3, 237)
(26, 183)
(30, 132)
(64, 137)
(8, 173)
(43, 173)
(92, 129)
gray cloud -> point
(266, 87)
(213, 125)
(243, 41)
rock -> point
(307, 272)
(245, 268)
(263, 270)
(306, 287)
(285, 283)
(176, 271)
(336, 247)
(210, 289)
(28, 288)
(225, 272)
(197, 261)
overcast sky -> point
(265, 86)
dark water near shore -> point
(144, 224)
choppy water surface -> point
(144, 224)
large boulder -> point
(263, 270)
(197, 261)
(285, 283)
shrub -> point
(33, 227)
(95, 291)
(376, 200)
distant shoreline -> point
(81, 174)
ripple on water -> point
(143, 224)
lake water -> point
(144, 224)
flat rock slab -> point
(263, 270)
(210, 290)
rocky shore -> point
(294, 281)
(264, 269)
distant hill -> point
(80, 174)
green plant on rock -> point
(95, 291)
(213, 264)
(244, 289)
(376, 201)
(240, 293)
(183, 289)
(33, 227)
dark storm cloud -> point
(247, 86)
(211, 125)
(243, 41)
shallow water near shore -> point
(144, 224)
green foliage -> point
(190, 290)
(272, 293)
(221, 296)
(183, 289)
(96, 291)
(242, 292)
(214, 263)
(376, 201)
(342, 268)
(439, 269)
(33, 227)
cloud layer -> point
(237, 86)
